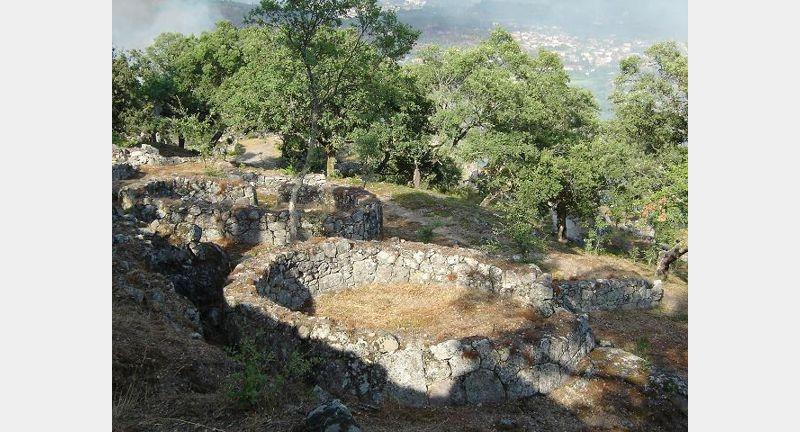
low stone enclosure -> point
(248, 208)
(143, 155)
(608, 294)
(269, 292)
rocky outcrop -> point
(608, 294)
(377, 365)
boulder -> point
(331, 416)
(483, 386)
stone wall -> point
(293, 277)
(608, 294)
(123, 171)
(376, 365)
(229, 209)
(143, 155)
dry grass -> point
(435, 312)
(186, 168)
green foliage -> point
(651, 99)
(248, 386)
(643, 346)
(524, 232)
(313, 69)
(326, 77)
(126, 92)
(426, 233)
(264, 381)
(213, 171)
(516, 114)
(597, 235)
(170, 87)
(651, 103)
(644, 254)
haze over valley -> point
(590, 36)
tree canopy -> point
(332, 77)
(338, 45)
(518, 116)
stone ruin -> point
(609, 294)
(229, 209)
(267, 294)
(143, 155)
(269, 291)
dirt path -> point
(261, 152)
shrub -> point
(644, 254)
(264, 381)
(425, 234)
(524, 235)
(247, 387)
(212, 171)
(597, 236)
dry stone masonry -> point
(293, 277)
(144, 155)
(229, 208)
(268, 291)
(270, 295)
(609, 294)
(123, 171)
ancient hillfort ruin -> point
(271, 294)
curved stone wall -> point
(377, 365)
(608, 294)
(293, 277)
(229, 209)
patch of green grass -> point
(289, 170)
(213, 172)
(426, 234)
(643, 347)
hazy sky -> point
(137, 22)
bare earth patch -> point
(658, 338)
(434, 312)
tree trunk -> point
(330, 165)
(417, 179)
(666, 258)
(181, 141)
(561, 223)
(294, 219)
(217, 135)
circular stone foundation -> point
(497, 334)
(248, 208)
